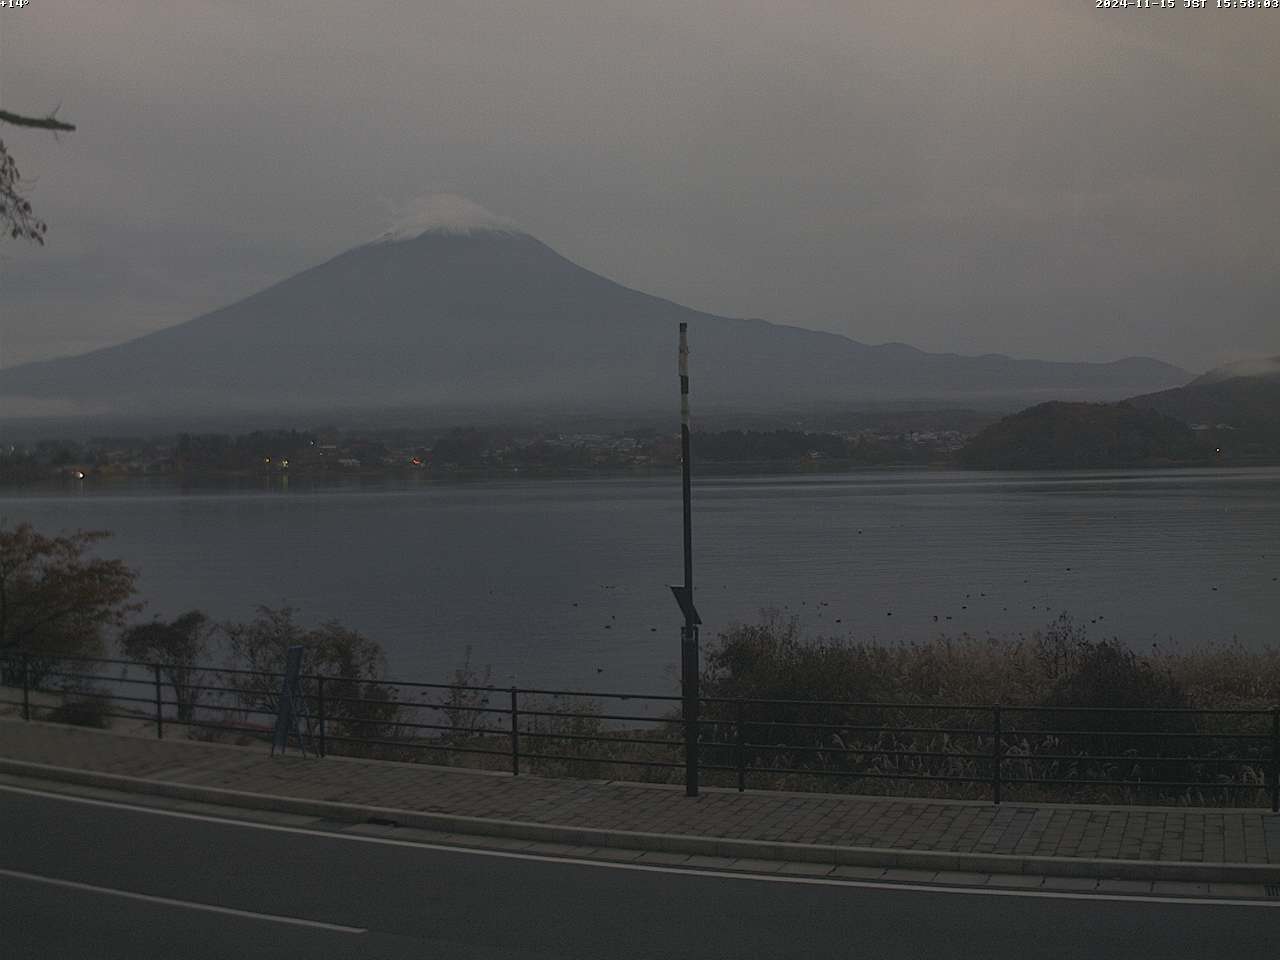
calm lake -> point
(565, 582)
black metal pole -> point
(689, 635)
(155, 667)
(742, 755)
(1275, 760)
(26, 686)
(996, 754)
(320, 711)
(515, 734)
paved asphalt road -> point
(420, 902)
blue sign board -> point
(289, 687)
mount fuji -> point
(455, 308)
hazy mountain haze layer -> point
(493, 319)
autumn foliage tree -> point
(177, 647)
(56, 597)
(359, 704)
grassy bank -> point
(802, 712)
(1074, 709)
(786, 710)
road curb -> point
(667, 843)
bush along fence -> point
(978, 751)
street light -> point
(689, 657)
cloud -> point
(444, 213)
(1039, 178)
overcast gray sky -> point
(1038, 177)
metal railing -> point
(981, 750)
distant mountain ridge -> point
(1251, 401)
(489, 318)
(1263, 367)
(1230, 416)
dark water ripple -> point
(565, 581)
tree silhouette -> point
(56, 598)
(16, 215)
(177, 647)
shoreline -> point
(427, 476)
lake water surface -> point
(565, 582)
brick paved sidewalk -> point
(1139, 833)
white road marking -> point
(183, 904)
(651, 868)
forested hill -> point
(1238, 417)
(1061, 435)
(1240, 402)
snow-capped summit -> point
(445, 213)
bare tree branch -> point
(16, 216)
(44, 123)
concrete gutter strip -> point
(1150, 870)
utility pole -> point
(690, 661)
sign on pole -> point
(290, 689)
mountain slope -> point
(1069, 436)
(1268, 367)
(495, 319)
(1238, 417)
(1237, 402)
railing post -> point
(515, 734)
(1275, 760)
(692, 701)
(996, 753)
(320, 711)
(742, 754)
(26, 686)
(155, 668)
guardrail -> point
(982, 750)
